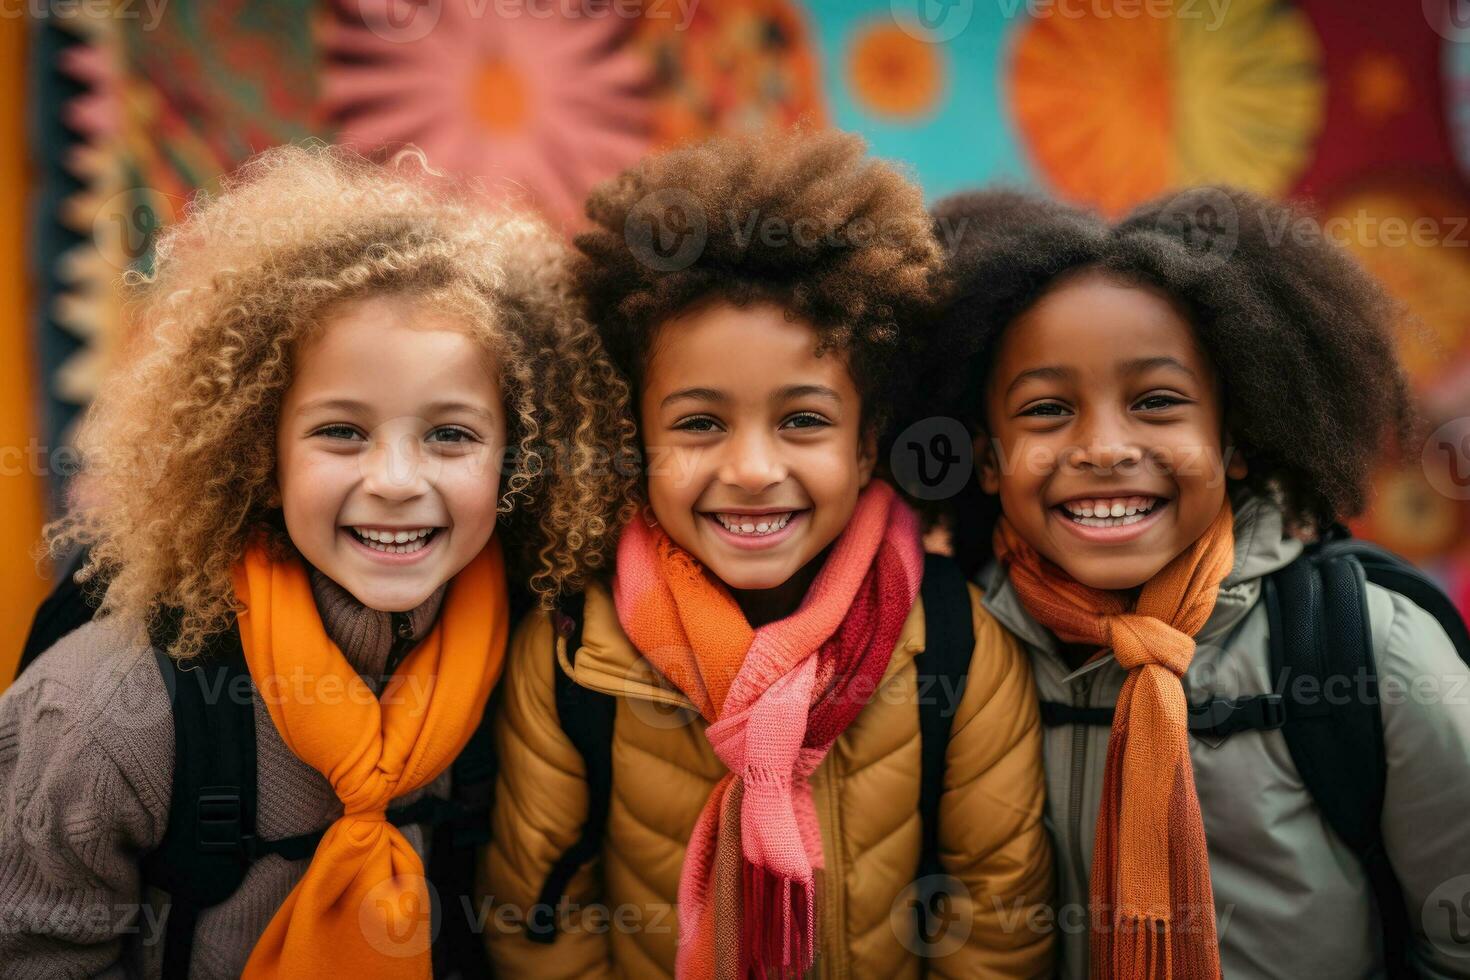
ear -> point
(867, 455)
(1235, 465)
(987, 468)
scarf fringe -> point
(1144, 946)
(782, 952)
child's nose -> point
(753, 464)
(394, 469)
(1109, 457)
(1106, 446)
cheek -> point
(676, 477)
(1022, 465)
(315, 483)
(471, 490)
(831, 475)
(1195, 459)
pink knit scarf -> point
(776, 698)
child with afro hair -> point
(761, 636)
(1166, 411)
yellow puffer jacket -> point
(619, 920)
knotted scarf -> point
(1153, 910)
(362, 907)
(776, 698)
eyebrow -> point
(785, 394)
(1049, 373)
(352, 405)
(803, 391)
(696, 394)
(1136, 366)
(1141, 364)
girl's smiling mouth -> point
(755, 530)
(1110, 519)
(394, 546)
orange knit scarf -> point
(362, 908)
(1153, 911)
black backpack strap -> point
(65, 609)
(943, 670)
(458, 950)
(1055, 714)
(1216, 718)
(205, 850)
(1321, 648)
(1386, 569)
(427, 810)
(587, 718)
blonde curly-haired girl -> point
(351, 385)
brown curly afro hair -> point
(1301, 336)
(804, 220)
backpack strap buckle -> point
(219, 820)
(1223, 717)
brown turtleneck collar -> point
(365, 635)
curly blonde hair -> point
(179, 447)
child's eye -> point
(1154, 403)
(696, 423)
(806, 420)
(456, 433)
(1046, 409)
(337, 432)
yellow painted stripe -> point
(22, 500)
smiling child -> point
(757, 649)
(1165, 416)
(298, 478)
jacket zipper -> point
(1079, 765)
(402, 643)
(835, 896)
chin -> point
(389, 601)
(1112, 576)
(751, 579)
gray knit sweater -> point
(86, 766)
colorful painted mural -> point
(1363, 114)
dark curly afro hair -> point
(1301, 336)
(804, 220)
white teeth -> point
(1109, 521)
(766, 524)
(1114, 512)
(393, 537)
(394, 542)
